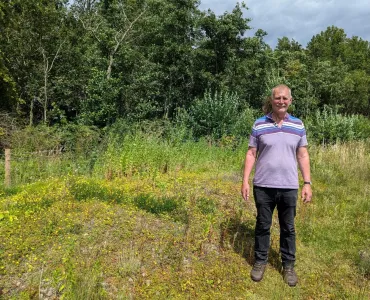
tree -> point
(292, 65)
(339, 70)
(328, 45)
(356, 92)
(328, 80)
(220, 46)
(7, 89)
(357, 54)
(32, 40)
(167, 42)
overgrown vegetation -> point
(150, 217)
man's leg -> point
(265, 204)
(287, 202)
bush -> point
(243, 125)
(214, 114)
(79, 139)
(328, 126)
(35, 139)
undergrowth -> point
(153, 219)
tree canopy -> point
(96, 61)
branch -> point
(120, 39)
(92, 30)
(56, 55)
(46, 60)
(127, 31)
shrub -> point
(34, 139)
(328, 126)
(214, 114)
(79, 139)
(243, 125)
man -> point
(278, 141)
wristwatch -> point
(307, 182)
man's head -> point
(281, 98)
(281, 87)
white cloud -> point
(301, 19)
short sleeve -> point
(303, 140)
(253, 140)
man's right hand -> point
(250, 158)
(245, 191)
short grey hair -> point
(281, 86)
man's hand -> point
(306, 193)
(250, 158)
(245, 191)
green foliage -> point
(169, 34)
(41, 151)
(100, 107)
(32, 41)
(327, 77)
(39, 138)
(95, 62)
(81, 140)
(214, 114)
(293, 70)
(9, 123)
(356, 93)
(243, 124)
(8, 90)
(328, 44)
(339, 70)
(328, 126)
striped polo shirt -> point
(276, 165)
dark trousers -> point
(286, 201)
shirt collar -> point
(269, 116)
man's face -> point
(281, 100)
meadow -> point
(148, 218)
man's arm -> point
(304, 165)
(250, 159)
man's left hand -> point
(306, 193)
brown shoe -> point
(290, 276)
(257, 271)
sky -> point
(300, 19)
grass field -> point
(149, 219)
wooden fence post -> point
(7, 168)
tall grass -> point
(169, 223)
(339, 221)
(150, 214)
(159, 146)
(121, 155)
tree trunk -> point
(45, 92)
(31, 111)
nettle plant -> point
(214, 113)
